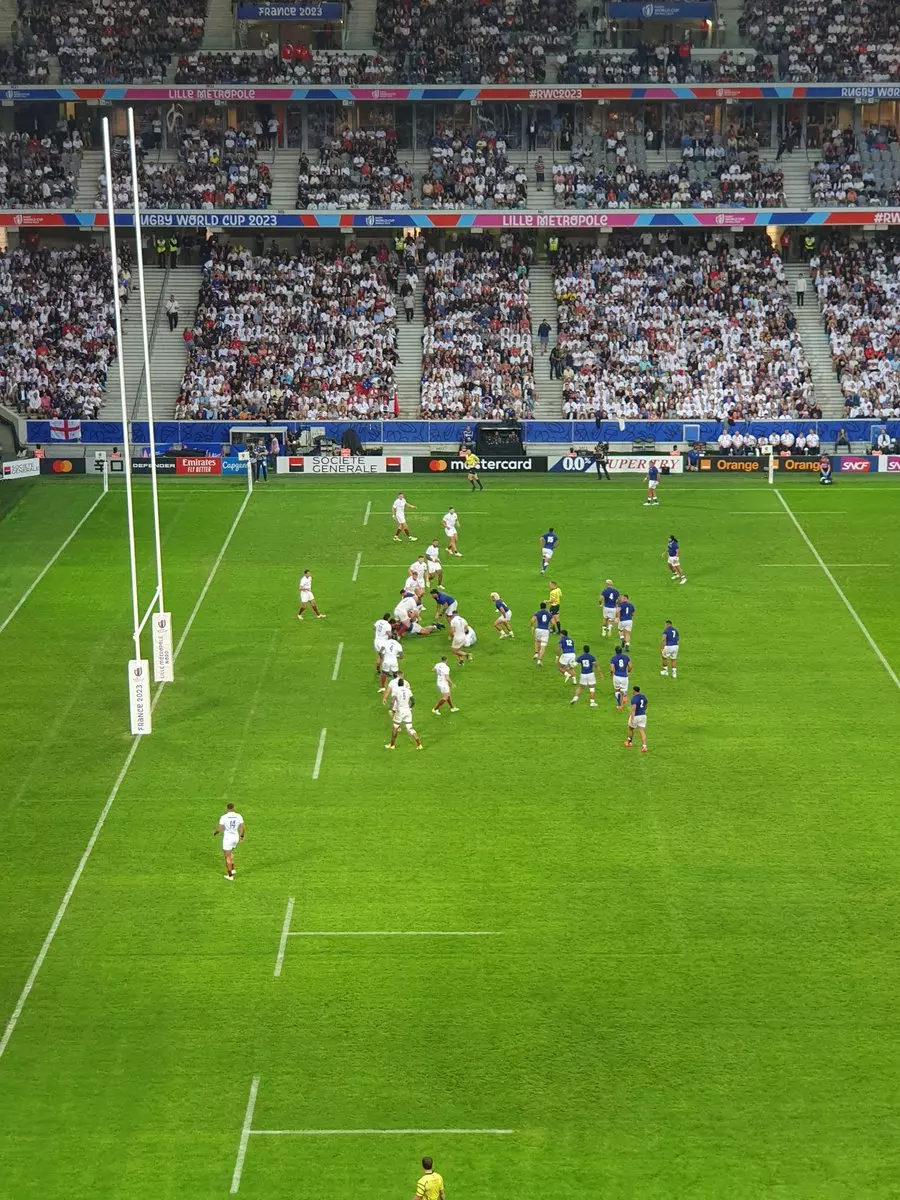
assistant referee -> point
(431, 1185)
(472, 462)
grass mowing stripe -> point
(245, 1137)
(120, 778)
(837, 587)
(55, 557)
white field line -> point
(837, 587)
(375, 1133)
(35, 582)
(101, 820)
(368, 513)
(393, 933)
(353, 577)
(396, 567)
(337, 662)
(319, 753)
(245, 1137)
(834, 566)
(773, 512)
(285, 931)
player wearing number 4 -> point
(231, 826)
(668, 648)
(609, 599)
(674, 560)
(638, 719)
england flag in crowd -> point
(65, 431)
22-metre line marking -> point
(319, 753)
(353, 577)
(837, 587)
(337, 662)
(245, 1137)
(34, 584)
(101, 820)
(368, 513)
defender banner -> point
(619, 463)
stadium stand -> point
(38, 172)
(663, 63)
(857, 172)
(306, 336)
(359, 169)
(826, 42)
(465, 171)
(303, 67)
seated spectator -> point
(662, 64)
(357, 169)
(859, 288)
(24, 62)
(302, 67)
(57, 324)
(307, 336)
(472, 172)
(851, 176)
(650, 335)
(39, 172)
(477, 354)
(827, 42)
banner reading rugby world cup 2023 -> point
(632, 464)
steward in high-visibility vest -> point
(173, 252)
(161, 248)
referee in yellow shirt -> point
(431, 1185)
(554, 602)
(472, 463)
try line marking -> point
(837, 587)
(33, 585)
(101, 820)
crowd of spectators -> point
(477, 355)
(57, 329)
(107, 41)
(859, 289)
(468, 171)
(211, 170)
(25, 60)
(827, 41)
(301, 67)
(662, 64)
(852, 175)
(358, 169)
(39, 171)
(649, 333)
(473, 41)
(305, 336)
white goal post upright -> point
(138, 667)
(769, 452)
(163, 656)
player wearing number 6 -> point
(231, 826)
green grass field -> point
(693, 987)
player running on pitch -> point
(473, 462)
(307, 599)
(609, 599)
(398, 512)
(674, 559)
(461, 639)
(620, 665)
(435, 571)
(565, 657)
(540, 623)
(444, 686)
(382, 633)
(638, 718)
(450, 522)
(232, 828)
(401, 714)
(668, 649)
(548, 542)
(652, 481)
(626, 620)
(587, 678)
(503, 624)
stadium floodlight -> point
(138, 667)
(163, 658)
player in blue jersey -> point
(565, 656)
(609, 598)
(446, 604)
(620, 665)
(673, 557)
(587, 678)
(652, 481)
(626, 620)
(540, 623)
(638, 718)
(504, 616)
(548, 545)
(668, 649)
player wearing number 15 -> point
(231, 826)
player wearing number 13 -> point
(231, 826)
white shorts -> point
(566, 660)
(670, 652)
(471, 638)
(609, 614)
(625, 626)
(415, 627)
(542, 635)
(637, 722)
(459, 643)
(449, 533)
(306, 597)
(587, 680)
(504, 616)
(379, 648)
(651, 484)
(546, 554)
(389, 665)
(403, 717)
(444, 689)
(433, 567)
(450, 610)
(673, 561)
(229, 841)
(620, 684)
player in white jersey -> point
(382, 633)
(444, 686)
(434, 570)
(232, 828)
(398, 512)
(459, 632)
(391, 653)
(406, 610)
(307, 599)
(411, 586)
(450, 522)
(401, 707)
(417, 571)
